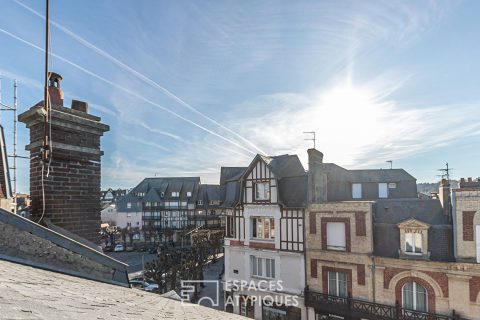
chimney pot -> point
(80, 106)
(469, 179)
(54, 90)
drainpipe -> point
(373, 279)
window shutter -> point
(336, 236)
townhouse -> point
(264, 243)
(374, 250)
(171, 205)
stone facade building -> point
(384, 253)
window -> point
(200, 202)
(356, 190)
(262, 191)
(337, 284)
(413, 243)
(336, 236)
(230, 227)
(148, 204)
(262, 267)
(263, 228)
(383, 190)
(129, 205)
(175, 194)
(414, 297)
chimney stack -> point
(317, 178)
(72, 189)
(444, 196)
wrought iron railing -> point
(349, 307)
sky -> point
(190, 86)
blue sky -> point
(189, 86)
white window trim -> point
(263, 266)
(386, 190)
(414, 289)
(337, 282)
(263, 238)
(338, 248)
(414, 244)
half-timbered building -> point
(264, 207)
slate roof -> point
(389, 212)
(231, 174)
(165, 185)
(232, 194)
(380, 175)
(293, 191)
(31, 293)
(284, 166)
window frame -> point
(337, 283)
(353, 193)
(266, 191)
(255, 228)
(331, 246)
(260, 265)
(385, 184)
(414, 242)
(414, 296)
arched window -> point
(414, 296)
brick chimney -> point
(72, 189)
(317, 178)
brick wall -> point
(72, 188)
(467, 217)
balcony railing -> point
(353, 308)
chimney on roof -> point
(54, 90)
(444, 197)
(317, 177)
(72, 189)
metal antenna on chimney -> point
(46, 146)
(311, 139)
(445, 172)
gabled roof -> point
(232, 194)
(281, 166)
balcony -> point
(357, 309)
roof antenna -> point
(391, 163)
(445, 172)
(46, 147)
(313, 137)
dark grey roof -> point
(293, 191)
(284, 166)
(231, 174)
(380, 175)
(388, 213)
(232, 194)
(165, 185)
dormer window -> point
(262, 191)
(413, 243)
(413, 239)
(189, 194)
(200, 202)
(175, 194)
(356, 190)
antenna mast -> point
(46, 147)
(311, 139)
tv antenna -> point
(391, 163)
(312, 133)
(445, 172)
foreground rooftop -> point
(32, 293)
